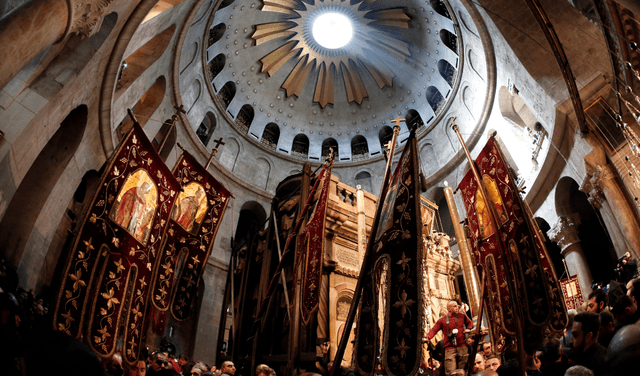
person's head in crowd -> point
(510, 368)
(158, 361)
(182, 360)
(584, 331)
(227, 367)
(453, 307)
(533, 362)
(53, 352)
(578, 371)
(624, 309)
(607, 327)
(198, 369)
(487, 372)
(487, 349)
(261, 368)
(597, 301)
(186, 369)
(114, 365)
(139, 368)
(623, 354)
(493, 362)
(571, 314)
(478, 364)
(552, 350)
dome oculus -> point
(332, 30)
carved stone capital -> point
(85, 16)
(565, 232)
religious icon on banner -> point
(484, 219)
(190, 207)
(135, 205)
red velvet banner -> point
(116, 251)
(193, 225)
(310, 245)
(533, 277)
(392, 307)
(572, 292)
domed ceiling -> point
(278, 84)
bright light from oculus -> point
(332, 30)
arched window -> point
(359, 148)
(270, 136)
(216, 33)
(449, 39)
(434, 98)
(364, 180)
(227, 93)
(144, 108)
(166, 137)
(216, 66)
(245, 117)
(206, 128)
(385, 136)
(413, 118)
(300, 147)
(447, 71)
(440, 8)
(329, 144)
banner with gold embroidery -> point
(310, 247)
(116, 251)
(572, 292)
(533, 278)
(193, 226)
(392, 306)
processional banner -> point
(192, 229)
(534, 279)
(392, 306)
(572, 292)
(310, 247)
(116, 252)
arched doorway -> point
(18, 223)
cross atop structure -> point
(397, 121)
(218, 142)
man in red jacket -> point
(454, 325)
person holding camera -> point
(454, 326)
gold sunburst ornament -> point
(371, 49)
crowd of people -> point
(602, 337)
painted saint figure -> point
(136, 206)
(190, 207)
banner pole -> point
(517, 309)
(357, 293)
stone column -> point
(603, 183)
(35, 26)
(565, 233)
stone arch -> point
(359, 148)
(225, 3)
(161, 7)
(300, 146)
(192, 59)
(251, 219)
(270, 135)
(513, 108)
(230, 154)
(385, 136)
(204, 11)
(206, 128)
(327, 145)
(144, 108)
(474, 61)
(216, 33)
(440, 8)
(35, 188)
(413, 118)
(428, 158)
(193, 94)
(363, 178)
(262, 172)
(216, 65)
(245, 117)
(140, 60)
(166, 138)
(75, 55)
(447, 71)
(577, 214)
(450, 40)
(434, 98)
(227, 93)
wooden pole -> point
(517, 309)
(366, 262)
